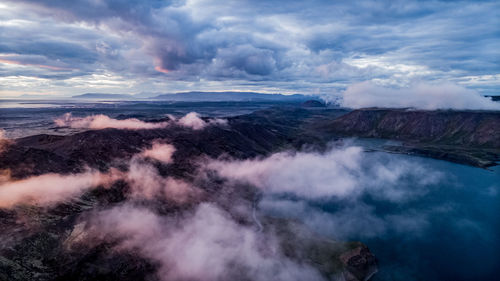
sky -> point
(62, 48)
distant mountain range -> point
(103, 96)
(231, 96)
(205, 96)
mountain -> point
(313, 103)
(37, 97)
(145, 95)
(232, 96)
(464, 128)
(468, 137)
(102, 96)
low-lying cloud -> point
(146, 183)
(340, 173)
(207, 245)
(297, 185)
(101, 121)
(191, 120)
(204, 241)
(419, 96)
(160, 151)
(50, 189)
(143, 178)
(351, 220)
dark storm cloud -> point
(313, 44)
(168, 34)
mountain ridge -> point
(231, 96)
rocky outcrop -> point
(464, 128)
(467, 137)
(313, 103)
(360, 264)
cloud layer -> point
(296, 185)
(204, 243)
(191, 120)
(146, 183)
(332, 192)
(143, 178)
(339, 173)
(160, 151)
(283, 46)
(101, 121)
(421, 96)
(207, 245)
(50, 189)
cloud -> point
(143, 178)
(288, 46)
(160, 151)
(420, 96)
(351, 220)
(146, 183)
(207, 245)
(101, 121)
(191, 120)
(352, 182)
(50, 189)
(342, 173)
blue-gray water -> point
(462, 239)
(447, 230)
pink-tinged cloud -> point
(343, 173)
(160, 151)
(161, 69)
(101, 121)
(50, 189)
(146, 183)
(158, 66)
(191, 120)
(51, 67)
(143, 178)
(208, 245)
